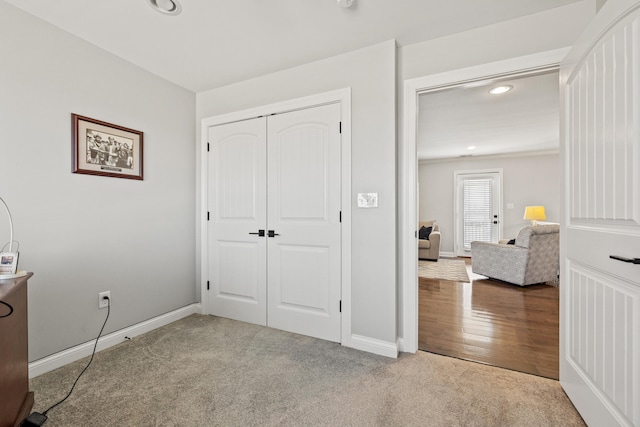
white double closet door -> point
(274, 232)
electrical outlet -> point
(102, 302)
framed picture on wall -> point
(101, 148)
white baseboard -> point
(447, 255)
(372, 345)
(72, 354)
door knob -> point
(273, 233)
(624, 259)
(259, 233)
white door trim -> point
(341, 96)
(407, 163)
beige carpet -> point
(444, 269)
(209, 371)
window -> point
(478, 195)
(477, 211)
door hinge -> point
(340, 127)
(340, 306)
(207, 285)
(208, 146)
(340, 216)
(207, 215)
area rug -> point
(445, 269)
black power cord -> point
(10, 309)
(37, 419)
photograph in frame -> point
(8, 262)
(105, 149)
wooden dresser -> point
(15, 398)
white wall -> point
(370, 73)
(84, 234)
(437, 190)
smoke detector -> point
(168, 7)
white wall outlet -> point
(367, 200)
(102, 302)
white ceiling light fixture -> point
(499, 90)
(345, 3)
(167, 7)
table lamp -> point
(8, 260)
(534, 214)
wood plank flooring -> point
(491, 322)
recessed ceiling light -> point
(168, 7)
(345, 3)
(471, 147)
(498, 90)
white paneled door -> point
(600, 237)
(237, 195)
(304, 213)
(275, 231)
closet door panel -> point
(304, 187)
(237, 210)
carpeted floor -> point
(444, 269)
(209, 371)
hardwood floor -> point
(491, 322)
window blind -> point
(477, 210)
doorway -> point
(480, 319)
(413, 90)
(274, 234)
(408, 163)
(337, 302)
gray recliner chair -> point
(534, 258)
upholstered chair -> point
(429, 248)
(534, 258)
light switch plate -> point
(367, 200)
(509, 205)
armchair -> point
(534, 258)
(429, 249)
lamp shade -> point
(534, 213)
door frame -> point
(408, 165)
(341, 96)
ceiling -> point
(215, 43)
(525, 119)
